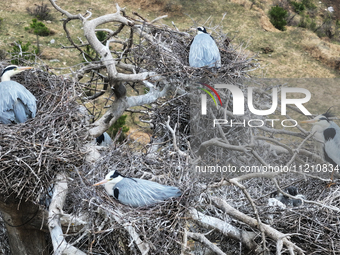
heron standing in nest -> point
(204, 51)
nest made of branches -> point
(32, 153)
(161, 225)
(169, 57)
(313, 228)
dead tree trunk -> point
(22, 224)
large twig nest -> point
(32, 153)
(169, 57)
(161, 225)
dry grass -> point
(289, 59)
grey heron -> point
(328, 134)
(17, 104)
(204, 51)
(104, 139)
(137, 192)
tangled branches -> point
(32, 153)
(112, 225)
(221, 211)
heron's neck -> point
(5, 77)
(109, 185)
(320, 127)
(200, 32)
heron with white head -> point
(204, 51)
(327, 133)
(137, 192)
(17, 104)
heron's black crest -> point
(115, 175)
(100, 139)
(11, 67)
(202, 29)
(328, 114)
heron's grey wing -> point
(103, 140)
(204, 52)
(16, 103)
(7, 117)
(20, 111)
(138, 192)
(107, 140)
(332, 143)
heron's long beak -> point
(309, 121)
(23, 68)
(101, 182)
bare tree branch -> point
(202, 239)
(173, 132)
(271, 232)
(119, 218)
(60, 246)
(120, 105)
(224, 228)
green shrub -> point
(309, 4)
(305, 21)
(38, 28)
(21, 52)
(298, 7)
(278, 17)
(120, 123)
(101, 35)
(312, 25)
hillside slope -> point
(296, 52)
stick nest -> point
(161, 225)
(32, 153)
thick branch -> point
(220, 143)
(104, 51)
(120, 105)
(68, 15)
(224, 228)
(269, 231)
(60, 246)
(202, 239)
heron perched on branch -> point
(17, 104)
(137, 192)
(327, 133)
(204, 51)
